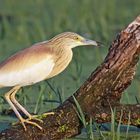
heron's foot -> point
(39, 117)
(23, 121)
(35, 117)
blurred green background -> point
(25, 22)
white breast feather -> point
(28, 76)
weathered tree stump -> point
(101, 91)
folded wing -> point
(27, 67)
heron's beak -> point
(90, 42)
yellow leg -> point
(7, 96)
(30, 117)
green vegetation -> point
(23, 23)
(93, 131)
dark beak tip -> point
(100, 44)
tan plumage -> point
(36, 63)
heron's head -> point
(70, 39)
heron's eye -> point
(76, 38)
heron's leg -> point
(15, 102)
(30, 117)
(7, 97)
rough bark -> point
(101, 92)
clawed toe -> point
(23, 121)
(34, 117)
(48, 113)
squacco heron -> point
(39, 62)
